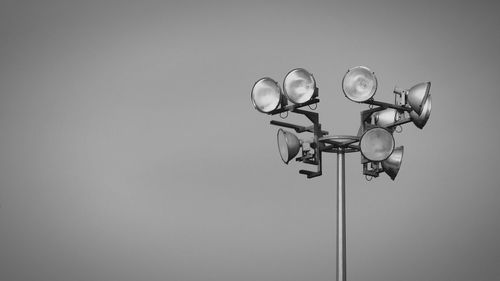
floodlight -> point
(288, 145)
(266, 95)
(417, 95)
(359, 84)
(393, 162)
(376, 144)
(374, 139)
(299, 85)
(420, 120)
(385, 117)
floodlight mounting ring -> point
(341, 141)
(340, 138)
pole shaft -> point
(341, 231)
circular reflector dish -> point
(359, 84)
(299, 85)
(376, 144)
(266, 95)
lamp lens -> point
(359, 84)
(299, 85)
(266, 95)
(377, 144)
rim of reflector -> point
(309, 91)
(350, 88)
(273, 96)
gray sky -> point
(129, 148)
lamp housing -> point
(299, 85)
(386, 117)
(359, 84)
(421, 119)
(417, 95)
(376, 144)
(266, 95)
(392, 164)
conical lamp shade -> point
(417, 95)
(288, 145)
(385, 117)
(420, 120)
(393, 162)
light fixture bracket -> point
(315, 129)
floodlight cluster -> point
(378, 124)
(375, 138)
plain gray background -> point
(129, 148)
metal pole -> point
(341, 233)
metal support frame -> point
(341, 224)
(307, 158)
(385, 105)
(341, 145)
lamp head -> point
(385, 117)
(359, 84)
(288, 145)
(417, 96)
(299, 85)
(266, 95)
(421, 119)
(376, 144)
(392, 164)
